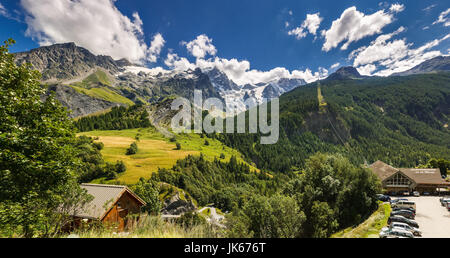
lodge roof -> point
(105, 196)
(383, 170)
(424, 176)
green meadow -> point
(156, 151)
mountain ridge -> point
(437, 64)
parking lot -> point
(433, 219)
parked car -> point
(444, 202)
(407, 209)
(404, 213)
(397, 218)
(396, 232)
(404, 204)
(448, 206)
(403, 193)
(414, 231)
(383, 198)
(397, 200)
(426, 194)
(442, 199)
(416, 194)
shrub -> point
(133, 149)
(120, 167)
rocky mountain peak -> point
(345, 73)
(67, 61)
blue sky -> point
(250, 40)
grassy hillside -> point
(369, 228)
(99, 77)
(156, 151)
(104, 93)
(98, 85)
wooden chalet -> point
(111, 205)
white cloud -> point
(238, 71)
(3, 11)
(367, 69)
(96, 25)
(396, 8)
(428, 8)
(353, 25)
(201, 47)
(336, 65)
(155, 47)
(443, 18)
(298, 32)
(380, 49)
(392, 55)
(175, 62)
(311, 24)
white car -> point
(395, 233)
(414, 231)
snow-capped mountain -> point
(236, 95)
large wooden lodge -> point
(395, 180)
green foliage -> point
(133, 149)
(149, 192)
(227, 184)
(333, 194)
(369, 228)
(119, 118)
(191, 219)
(92, 164)
(442, 164)
(263, 217)
(38, 160)
(120, 167)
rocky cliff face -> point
(177, 205)
(153, 87)
(79, 104)
(63, 62)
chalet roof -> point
(383, 170)
(105, 196)
(430, 176)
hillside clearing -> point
(155, 151)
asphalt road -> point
(433, 219)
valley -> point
(313, 182)
(156, 151)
